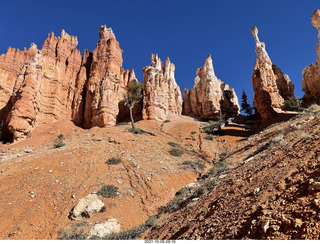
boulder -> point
(86, 207)
(103, 229)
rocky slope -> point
(270, 87)
(311, 74)
(209, 96)
(42, 183)
(266, 187)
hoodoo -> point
(209, 96)
(311, 74)
(161, 94)
(270, 87)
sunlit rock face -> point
(270, 87)
(209, 97)
(311, 74)
(56, 82)
(10, 65)
(162, 95)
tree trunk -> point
(131, 117)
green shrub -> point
(196, 166)
(108, 191)
(113, 160)
(193, 132)
(292, 104)
(122, 123)
(135, 131)
(173, 144)
(166, 121)
(218, 169)
(59, 141)
(209, 137)
(176, 202)
(176, 152)
(133, 233)
(73, 234)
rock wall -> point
(311, 74)
(162, 95)
(269, 85)
(209, 96)
(56, 82)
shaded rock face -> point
(162, 95)
(311, 74)
(269, 85)
(209, 96)
(56, 82)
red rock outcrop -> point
(106, 85)
(44, 90)
(10, 65)
(269, 85)
(209, 96)
(162, 95)
(54, 83)
(311, 74)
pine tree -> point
(133, 96)
(245, 106)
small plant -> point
(292, 104)
(176, 152)
(108, 191)
(113, 160)
(59, 141)
(175, 203)
(102, 210)
(166, 121)
(132, 233)
(173, 144)
(73, 234)
(209, 137)
(193, 132)
(135, 131)
(196, 166)
(122, 123)
(214, 126)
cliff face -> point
(162, 95)
(56, 82)
(10, 65)
(209, 96)
(311, 74)
(269, 85)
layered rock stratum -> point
(161, 94)
(56, 82)
(311, 74)
(209, 96)
(270, 87)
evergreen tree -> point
(133, 96)
(245, 106)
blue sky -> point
(184, 31)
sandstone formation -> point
(162, 95)
(209, 97)
(10, 65)
(311, 74)
(269, 85)
(56, 82)
(86, 207)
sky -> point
(185, 31)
